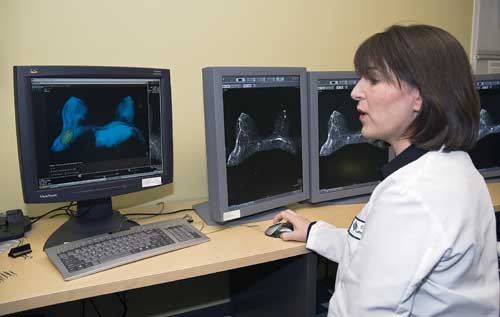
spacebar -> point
(110, 258)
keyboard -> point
(101, 252)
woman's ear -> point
(417, 99)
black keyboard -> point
(91, 255)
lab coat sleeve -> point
(402, 241)
(327, 240)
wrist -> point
(309, 229)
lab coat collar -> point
(409, 155)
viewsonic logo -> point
(48, 196)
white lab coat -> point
(424, 245)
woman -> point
(424, 245)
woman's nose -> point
(356, 92)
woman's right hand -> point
(300, 225)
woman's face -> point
(386, 110)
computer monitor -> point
(256, 140)
(88, 133)
(344, 164)
(486, 153)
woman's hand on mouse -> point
(300, 225)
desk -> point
(39, 284)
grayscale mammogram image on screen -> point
(486, 153)
(263, 142)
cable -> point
(58, 215)
(151, 215)
(95, 307)
(66, 209)
(207, 233)
(123, 301)
(225, 228)
(202, 225)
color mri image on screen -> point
(486, 153)
(95, 131)
(263, 142)
(346, 158)
(96, 126)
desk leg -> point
(279, 288)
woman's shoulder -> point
(439, 168)
(439, 178)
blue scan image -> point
(118, 131)
(115, 133)
(126, 110)
(248, 142)
(110, 135)
(73, 112)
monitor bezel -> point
(491, 173)
(218, 207)
(26, 138)
(317, 195)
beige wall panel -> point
(185, 36)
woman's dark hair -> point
(433, 61)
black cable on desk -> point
(159, 213)
(66, 209)
(150, 215)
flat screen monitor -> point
(343, 163)
(256, 140)
(486, 153)
(86, 134)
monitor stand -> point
(93, 217)
(203, 211)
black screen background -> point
(269, 173)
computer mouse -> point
(277, 229)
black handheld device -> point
(13, 225)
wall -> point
(185, 36)
(486, 37)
